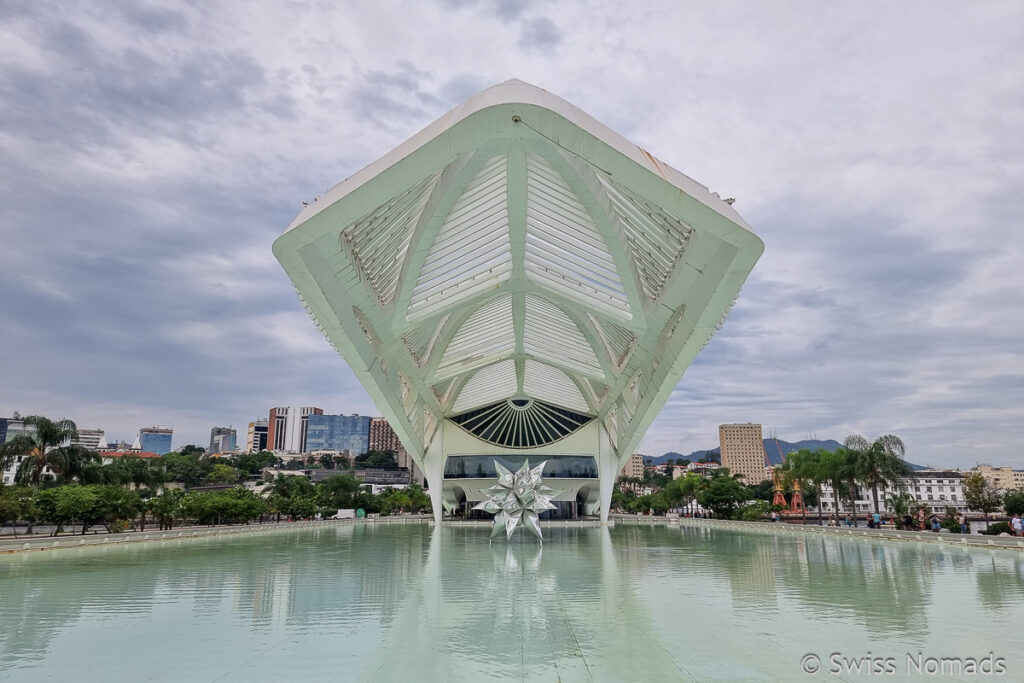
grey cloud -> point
(150, 160)
(509, 10)
(540, 34)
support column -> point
(433, 468)
(607, 470)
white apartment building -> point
(93, 439)
(938, 489)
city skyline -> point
(143, 201)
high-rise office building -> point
(339, 433)
(743, 451)
(256, 438)
(155, 439)
(383, 438)
(93, 439)
(286, 429)
(222, 440)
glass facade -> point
(338, 433)
(155, 442)
(557, 467)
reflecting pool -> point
(364, 602)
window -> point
(482, 466)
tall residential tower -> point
(743, 451)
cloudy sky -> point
(150, 153)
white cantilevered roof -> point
(518, 248)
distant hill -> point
(770, 448)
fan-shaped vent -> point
(519, 423)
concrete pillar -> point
(607, 470)
(433, 468)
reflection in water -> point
(358, 602)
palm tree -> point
(43, 448)
(811, 469)
(901, 504)
(832, 471)
(878, 463)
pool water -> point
(364, 602)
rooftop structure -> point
(518, 281)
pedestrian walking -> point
(1017, 526)
(962, 521)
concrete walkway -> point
(24, 544)
(964, 540)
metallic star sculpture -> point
(517, 498)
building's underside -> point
(518, 280)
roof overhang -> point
(517, 247)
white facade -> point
(514, 275)
(93, 439)
(938, 489)
(286, 432)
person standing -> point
(876, 520)
(962, 521)
(1017, 526)
(921, 518)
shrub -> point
(754, 511)
(997, 528)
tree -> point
(418, 498)
(1013, 502)
(132, 470)
(190, 469)
(878, 463)
(336, 492)
(376, 459)
(251, 464)
(804, 468)
(166, 507)
(16, 502)
(754, 511)
(762, 491)
(115, 507)
(74, 501)
(982, 495)
(723, 494)
(832, 466)
(42, 448)
(222, 473)
(901, 503)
